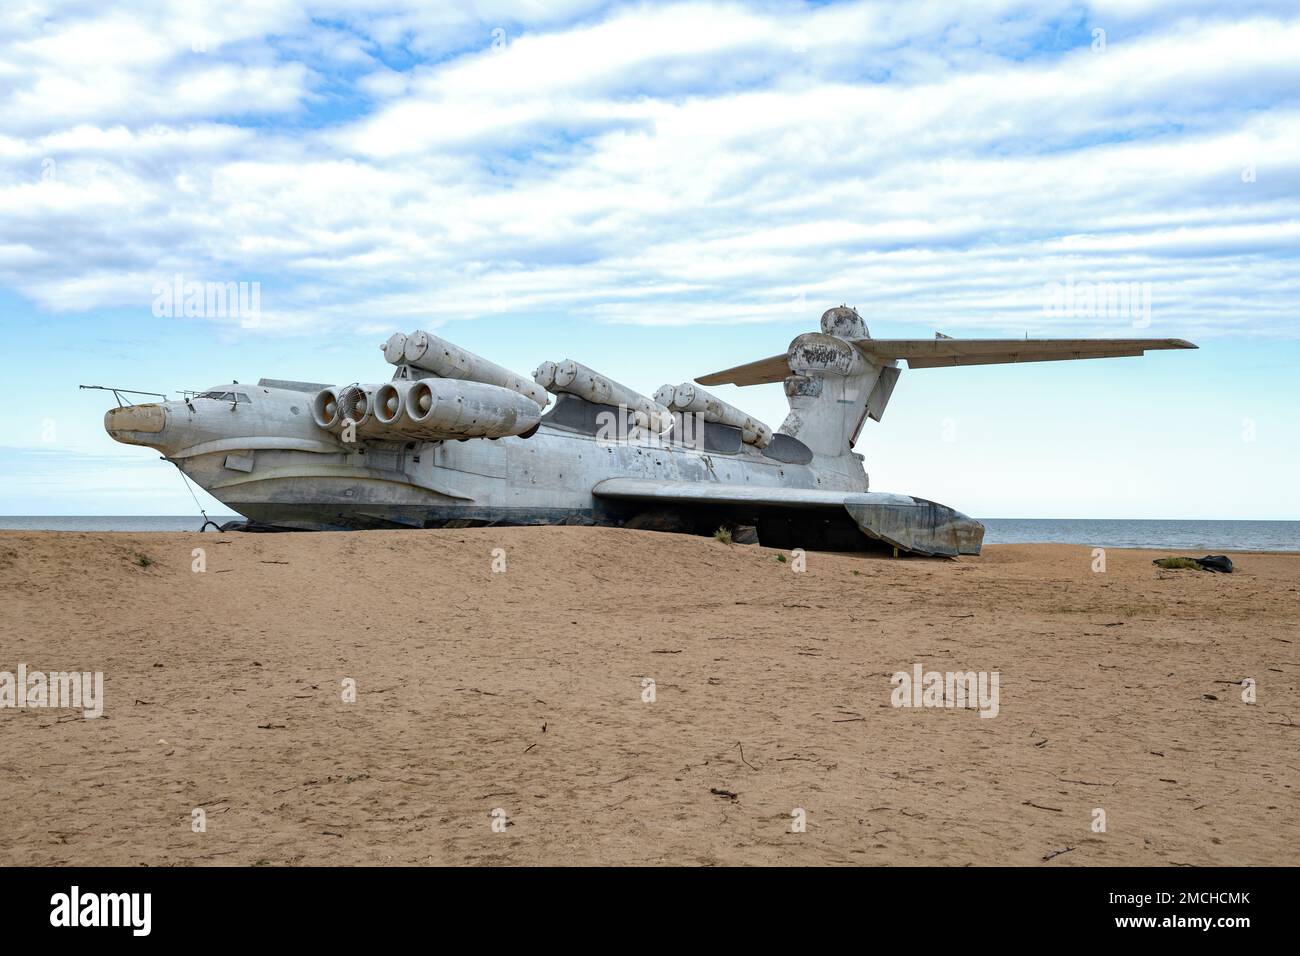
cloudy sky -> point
(660, 190)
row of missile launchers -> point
(442, 392)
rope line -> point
(206, 520)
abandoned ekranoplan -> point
(455, 440)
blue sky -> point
(663, 190)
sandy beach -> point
(526, 692)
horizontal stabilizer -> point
(945, 352)
(763, 372)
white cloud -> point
(699, 162)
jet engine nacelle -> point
(428, 409)
(436, 409)
(334, 408)
(325, 410)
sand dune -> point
(523, 691)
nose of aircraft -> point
(136, 424)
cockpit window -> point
(239, 397)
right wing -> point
(912, 524)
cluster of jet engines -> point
(443, 392)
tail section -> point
(837, 378)
(831, 385)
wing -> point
(942, 353)
(912, 524)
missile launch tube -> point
(576, 379)
(394, 349)
(544, 375)
(689, 397)
(426, 351)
